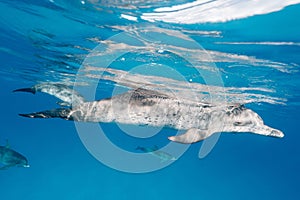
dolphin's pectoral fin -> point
(191, 136)
(31, 90)
(64, 113)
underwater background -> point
(254, 45)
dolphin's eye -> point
(237, 123)
(242, 123)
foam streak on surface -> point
(203, 11)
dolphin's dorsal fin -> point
(191, 136)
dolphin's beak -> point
(26, 166)
(277, 133)
(268, 131)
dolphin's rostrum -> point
(146, 107)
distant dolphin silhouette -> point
(146, 107)
(163, 156)
(10, 158)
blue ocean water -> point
(257, 57)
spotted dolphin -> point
(152, 108)
(162, 155)
(10, 158)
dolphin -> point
(146, 107)
(67, 95)
(10, 158)
(163, 156)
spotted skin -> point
(146, 107)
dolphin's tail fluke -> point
(64, 113)
(35, 115)
(60, 91)
(31, 90)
